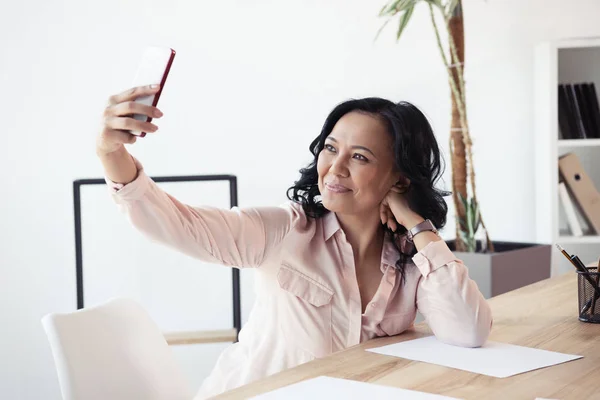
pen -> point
(594, 298)
(573, 259)
(581, 265)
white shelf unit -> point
(565, 61)
(578, 143)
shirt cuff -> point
(132, 190)
(433, 256)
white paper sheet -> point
(328, 388)
(494, 359)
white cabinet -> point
(560, 62)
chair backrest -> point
(113, 351)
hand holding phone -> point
(128, 115)
(153, 69)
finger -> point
(392, 221)
(133, 93)
(382, 213)
(390, 215)
(130, 108)
(130, 124)
(121, 136)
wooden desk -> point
(542, 315)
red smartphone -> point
(154, 68)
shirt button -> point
(374, 305)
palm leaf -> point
(470, 219)
(395, 6)
(464, 236)
(382, 26)
(404, 21)
(464, 201)
(437, 3)
(477, 216)
(388, 7)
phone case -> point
(154, 68)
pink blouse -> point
(308, 303)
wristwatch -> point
(426, 225)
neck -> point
(364, 233)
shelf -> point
(557, 62)
(578, 142)
(585, 239)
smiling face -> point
(356, 166)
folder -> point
(582, 188)
(569, 209)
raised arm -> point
(236, 237)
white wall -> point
(250, 87)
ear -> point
(403, 181)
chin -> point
(349, 206)
(338, 205)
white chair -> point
(113, 351)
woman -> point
(351, 257)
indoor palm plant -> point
(467, 210)
(505, 265)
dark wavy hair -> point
(417, 157)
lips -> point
(336, 188)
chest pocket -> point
(305, 309)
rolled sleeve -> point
(133, 190)
(433, 256)
(450, 301)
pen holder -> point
(589, 295)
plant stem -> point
(456, 142)
(459, 95)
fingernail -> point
(153, 86)
(158, 113)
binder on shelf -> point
(565, 122)
(585, 194)
(584, 113)
(594, 108)
(576, 108)
(578, 111)
(569, 208)
(569, 128)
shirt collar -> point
(330, 225)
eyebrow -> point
(354, 147)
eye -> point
(329, 147)
(360, 157)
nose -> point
(339, 167)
